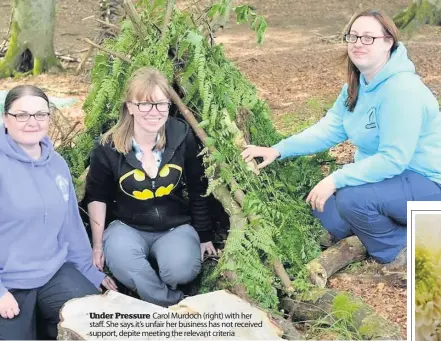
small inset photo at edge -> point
(425, 220)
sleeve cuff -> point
(95, 276)
(338, 179)
(3, 290)
(280, 148)
(285, 150)
(205, 236)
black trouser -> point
(40, 307)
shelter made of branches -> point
(272, 237)
(269, 219)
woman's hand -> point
(8, 306)
(268, 154)
(209, 248)
(109, 284)
(320, 193)
(98, 257)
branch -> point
(134, 17)
(116, 54)
(283, 275)
(84, 60)
(108, 24)
(168, 14)
(343, 253)
(72, 129)
(239, 195)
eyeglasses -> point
(365, 40)
(147, 106)
(25, 116)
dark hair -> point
(23, 90)
(353, 80)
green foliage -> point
(340, 323)
(213, 88)
(244, 13)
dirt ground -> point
(297, 70)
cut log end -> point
(336, 257)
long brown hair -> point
(389, 30)
(141, 86)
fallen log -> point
(336, 257)
(394, 279)
(320, 303)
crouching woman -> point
(139, 169)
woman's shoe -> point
(399, 263)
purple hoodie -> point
(40, 226)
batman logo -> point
(136, 180)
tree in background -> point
(420, 12)
(31, 38)
(31, 35)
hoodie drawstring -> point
(39, 192)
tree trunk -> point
(32, 34)
(420, 12)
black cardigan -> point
(156, 204)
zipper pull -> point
(153, 184)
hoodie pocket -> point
(151, 218)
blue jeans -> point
(177, 252)
(377, 212)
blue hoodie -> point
(40, 226)
(396, 125)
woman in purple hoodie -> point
(45, 255)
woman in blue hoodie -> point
(45, 255)
(393, 119)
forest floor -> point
(298, 70)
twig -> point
(58, 128)
(113, 53)
(67, 58)
(86, 213)
(84, 60)
(87, 18)
(209, 33)
(108, 24)
(72, 129)
(283, 275)
(332, 39)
